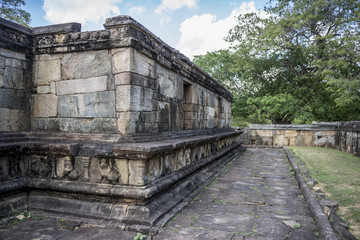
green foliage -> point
(11, 10)
(140, 236)
(294, 62)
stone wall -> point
(120, 80)
(341, 135)
(111, 124)
(15, 78)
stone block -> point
(133, 98)
(190, 115)
(15, 63)
(14, 78)
(308, 140)
(43, 89)
(190, 107)
(46, 72)
(44, 105)
(15, 99)
(12, 54)
(264, 133)
(88, 85)
(136, 172)
(169, 163)
(300, 141)
(94, 173)
(130, 60)
(123, 168)
(291, 133)
(292, 141)
(153, 170)
(278, 140)
(75, 125)
(166, 82)
(189, 124)
(210, 112)
(94, 105)
(126, 122)
(267, 141)
(279, 132)
(12, 120)
(181, 161)
(146, 122)
(143, 65)
(121, 60)
(2, 62)
(129, 78)
(306, 133)
(1, 80)
(86, 64)
(286, 141)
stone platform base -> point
(137, 185)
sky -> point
(194, 27)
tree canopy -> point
(296, 61)
(11, 10)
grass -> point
(338, 174)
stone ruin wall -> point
(344, 136)
(15, 79)
(96, 120)
(119, 80)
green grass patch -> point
(338, 174)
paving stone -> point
(226, 221)
(43, 229)
(95, 233)
(194, 234)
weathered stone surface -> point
(12, 120)
(14, 78)
(166, 80)
(94, 105)
(45, 105)
(130, 60)
(1, 78)
(136, 172)
(87, 64)
(80, 125)
(121, 59)
(46, 71)
(126, 122)
(44, 89)
(15, 63)
(94, 84)
(153, 169)
(133, 98)
(15, 99)
(123, 167)
(12, 54)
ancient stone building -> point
(111, 124)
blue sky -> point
(191, 26)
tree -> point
(11, 10)
(304, 51)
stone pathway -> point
(256, 197)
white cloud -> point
(175, 4)
(164, 20)
(137, 10)
(204, 33)
(91, 12)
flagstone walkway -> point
(256, 197)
